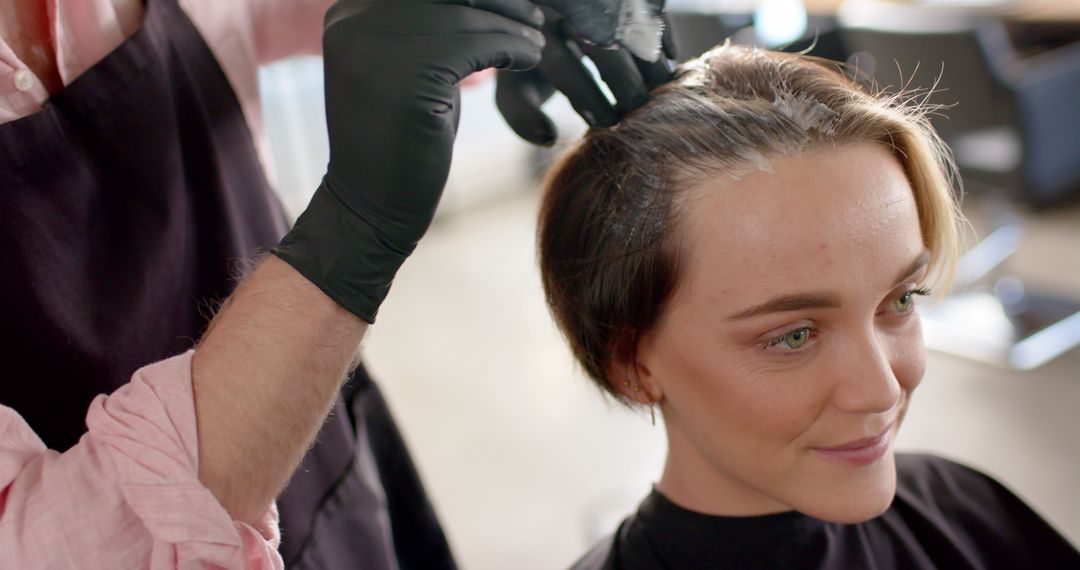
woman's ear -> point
(629, 374)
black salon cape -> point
(944, 516)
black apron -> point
(130, 203)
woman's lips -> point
(861, 452)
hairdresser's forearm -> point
(265, 376)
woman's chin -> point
(856, 512)
(855, 496)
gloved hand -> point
(520, 95)
(633, 24)
(392, 110)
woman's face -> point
(787, 358)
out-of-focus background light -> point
(778, 22)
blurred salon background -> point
(528, 465)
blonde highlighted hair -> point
(609, 258)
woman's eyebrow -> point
(785, 303)
(818, 300)
(920, 261)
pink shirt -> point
(128, 495)
(241, 33)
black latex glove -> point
(520, 94)
(594, 20)
(392, 109)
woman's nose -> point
(866, 381)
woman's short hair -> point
(609, 255)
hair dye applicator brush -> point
(633, 24)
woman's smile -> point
(860, 451)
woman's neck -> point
(693, 483)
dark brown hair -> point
(609, 255)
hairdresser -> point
(129, 185)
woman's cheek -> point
(909, 360)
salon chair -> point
(1013, 124)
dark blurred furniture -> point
(1013, 124)
(1031, 11)
(696, 32)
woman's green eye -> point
(906, 301)
(794, 339)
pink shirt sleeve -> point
(128, 495)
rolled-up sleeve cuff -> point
(148, 429)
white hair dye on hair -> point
(806, 111)
(639, 29)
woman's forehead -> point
(828, 215)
